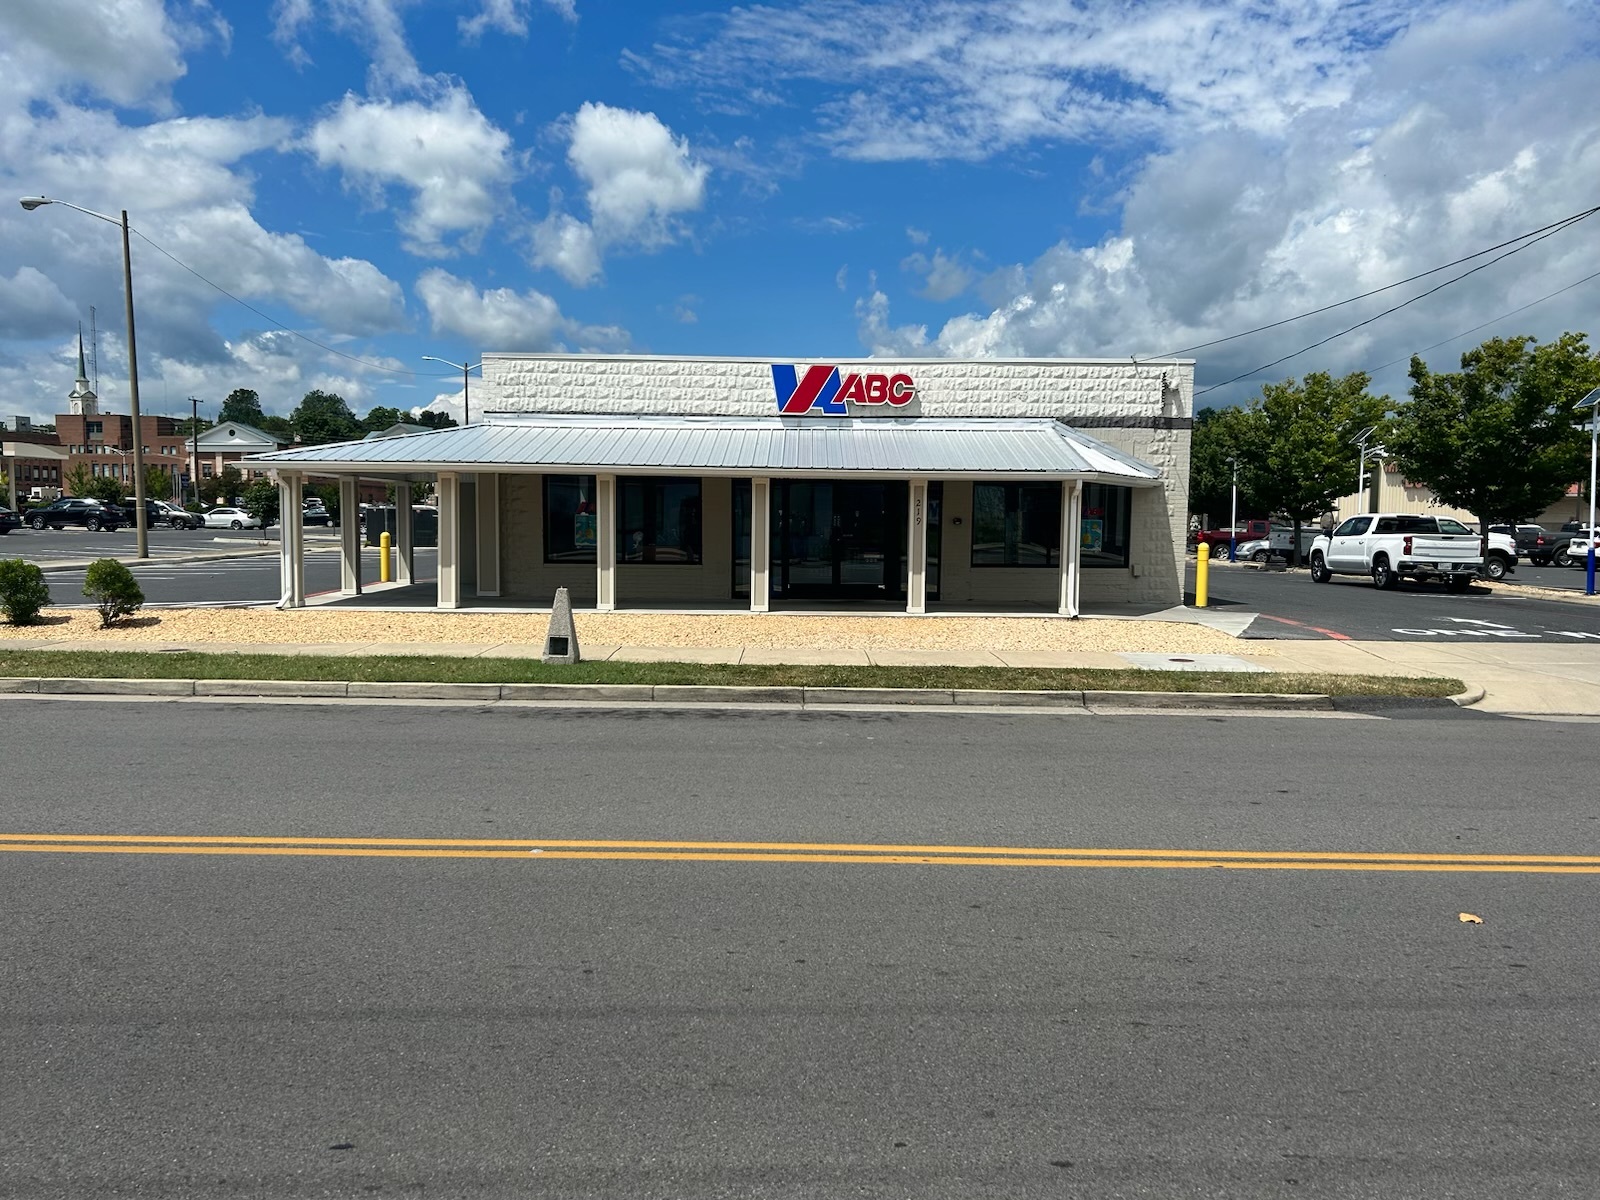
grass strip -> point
(98, 664)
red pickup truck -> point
(1245, 532)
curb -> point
(777, 697)
(1467, 698)
(158, 560)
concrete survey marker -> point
(561, 642)
(1189, 662)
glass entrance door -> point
(837, 540)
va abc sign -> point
(823, 390)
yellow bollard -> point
(385, 541)
(1202, 575)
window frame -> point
(1011, 510)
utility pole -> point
(194, 440)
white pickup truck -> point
(1392, 546)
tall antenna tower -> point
(94, 352)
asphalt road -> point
(258, 1023)
(1292, 607)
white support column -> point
(760, 544)
(404, 563)
(291, 541)
(285, 546)
(449, 540)
(349, 536)
(488, 534)
(605, 543)
(1071, 546)
(917, 548)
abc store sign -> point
(826, 391)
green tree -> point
(260, 500)
(1499, 438)
(1221, 434)
(157, 482)
(190, 426)
(77, 479)
(1305, 460)
(104, 489)
(243, 406)
(380, 418)
(231, 483)
(279, 427)
(435, 420)
(324, 417)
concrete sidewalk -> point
(1532, 680)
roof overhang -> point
(781, 447)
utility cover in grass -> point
(561, 643)
(1190, 662)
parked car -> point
(1537, 544)
(178, 518)
(1245, 531)
(70, 510)
(230, 518)
(315, 514)
(9, 520)
(1392, 546)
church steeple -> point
(82, 401)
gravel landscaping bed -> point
(772, 631)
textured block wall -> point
(1143, 409)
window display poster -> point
(1093, 535)
(583, 530)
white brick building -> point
(715, 482)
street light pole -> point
(466, 408)
(194, 441)
(140, 522)
(1233, 515)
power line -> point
(1491, 321)
(1404, 303)
(1553, 227)
(366, 362)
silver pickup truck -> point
(1393, 546)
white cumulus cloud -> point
(637, 178)
(501, 319)
(455, 162)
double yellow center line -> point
(794, 852)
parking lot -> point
(1292, 607)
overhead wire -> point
(366, 362)
(1549, 231)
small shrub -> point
(23, 591)
(113, 588)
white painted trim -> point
(916, 547)
(449, 540)
(349, 537)
(404, 536)
(605, 549)
(760, 545)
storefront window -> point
(569, 519)
(1103, 525)
(1016, 525)
(658, 521)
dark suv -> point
(91, 514)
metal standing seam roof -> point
(773, 446)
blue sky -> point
(815, 178)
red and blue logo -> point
(822, 389)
